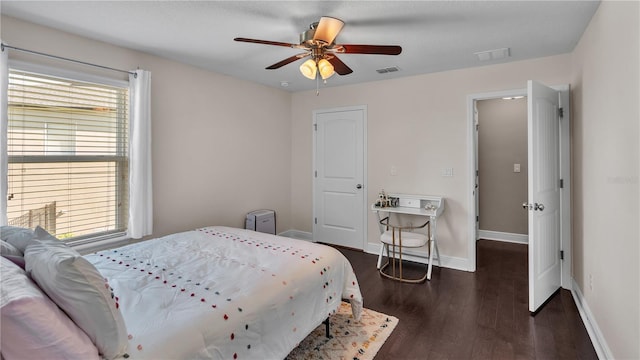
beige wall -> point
(214, 157)
(209, 147)
(605, 173)
(502, 142)
(419, 125)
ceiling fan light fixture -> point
(327, 29)
(318, 44)
(308, 69)
(325, 68)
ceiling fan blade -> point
(367, 49)
(287, 61)
(338, 66)
(328, 28)
(266, 42)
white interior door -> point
(544, 193)
(477, 168)
(339, 206)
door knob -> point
(359, 186)
(535, 206)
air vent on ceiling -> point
(493, 54)
(388, 70)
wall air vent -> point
(388, 70)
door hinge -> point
(561, 183)
(560, 112)
(561, 254)
(477, 172)
(477, 127)
(316, 221)
(315, 127)
(316, 173)
(477, 218)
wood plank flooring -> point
(481, 315)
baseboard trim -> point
(503, 236)
(597, 339)
(297, 234)
(450, 262)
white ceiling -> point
(434, 35)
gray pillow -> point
(8, 249)
(78, 288)
(17, 236)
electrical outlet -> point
(394, 171)
(516, 168)
(447, 172)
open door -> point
(477, 166)
(544, 193)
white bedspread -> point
(225, 293)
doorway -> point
(564, 178)
(502, 169)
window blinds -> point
(67, 146)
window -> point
(68, 165)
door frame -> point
(365, 183)
(565, 174)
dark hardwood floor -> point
(481, 315)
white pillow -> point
(42, 234)
(8, 230)
(8, 249)
(77, 287)
(33, 327)
(16, 236)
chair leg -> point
(430, 265)
(400, 251)
(435, 244)
(432, 245)
(393, 259)
(383, 245)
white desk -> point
(421, 205)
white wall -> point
(419, 125)
(606, 159)
(209, 147)
(214, 157)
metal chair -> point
(399, 237)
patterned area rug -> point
(351, 340)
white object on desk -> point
(429, 206)
(408, 202)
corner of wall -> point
(598, 340)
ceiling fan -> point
(319, 44)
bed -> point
(216, 293)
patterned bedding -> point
(225, 293)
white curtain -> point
(4, 122)
(140, 185)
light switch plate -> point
(447, 172)
(516, 168)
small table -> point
(421, 205)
